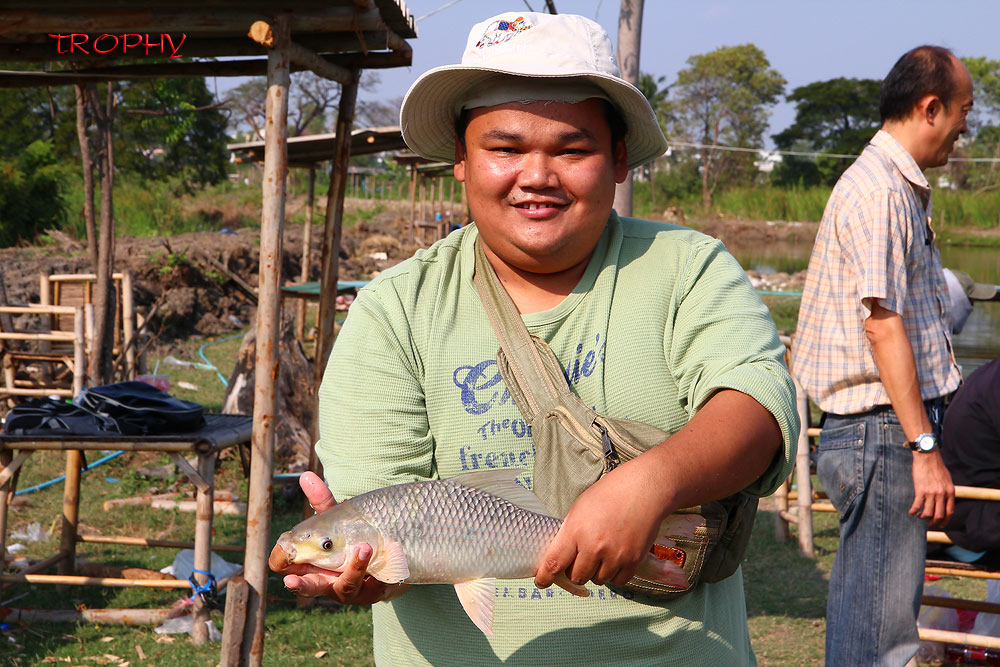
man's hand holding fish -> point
(351, 586)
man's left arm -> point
(725, 447)
(727, 365)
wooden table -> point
(218, 433)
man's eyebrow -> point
(500, 134)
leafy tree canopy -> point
(835, 116)
(169, 127)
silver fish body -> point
(451, 532)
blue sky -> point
(805, 40)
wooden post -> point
(204, 512)
(234, 621)
(451, 202)
(100, 354)
(268, 325)
(422, 215)
(443, 225)
(331, 247)
(803, 480)
(301, 307)
(413, 200)
(128, 325)
(466, 215)
(629, 38)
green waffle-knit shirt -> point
(661, 319)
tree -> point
(835, 116)
(312, 103)
(984, 128)
(170, 127)
(31, 193)
(722, 98)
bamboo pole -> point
(302, 305)
(45, 564)
(959, 603)
(111, 582)
(451, 202)
(128, 325)
(413, 201)
(203, 544)
(71, 510)
(962, 638)
(268, 323)
(781, 532)
(6, 492)
(148, 542)
(803, 481)
(441, 209)
(959, 572)
(79, 350)
(105, 616)
(466, 215)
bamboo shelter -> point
(336, 39)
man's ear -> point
(459, 160)
(931, 108)
(621, 161)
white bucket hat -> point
(563, 48)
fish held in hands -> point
(467, 531)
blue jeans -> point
(878, 573)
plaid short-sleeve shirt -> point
(874, 243)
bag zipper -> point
(603, 446)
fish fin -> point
(391, 567)
(562, 581)
(477, 596)
(501, 483)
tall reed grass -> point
(952, 208)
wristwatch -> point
(925, 442)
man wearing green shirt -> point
(650, 322)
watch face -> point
(926, 443)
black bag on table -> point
(141, 409)
(47, 416)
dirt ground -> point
(190, 284)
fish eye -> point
(326, 544)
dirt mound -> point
(202, 283)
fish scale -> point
(450, 530)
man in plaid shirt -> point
(873, 350)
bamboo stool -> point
(218, 433)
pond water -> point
(979, 341)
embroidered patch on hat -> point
(502, 31)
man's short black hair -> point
(611, 114)
(925, 70)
